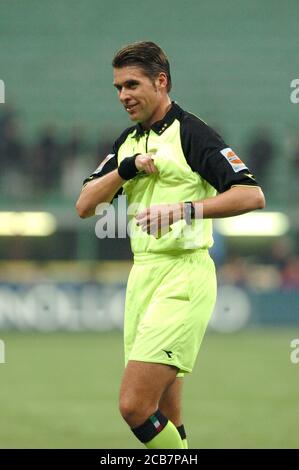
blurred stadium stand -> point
(62, 115)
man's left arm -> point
(207, 154)
(235, 201)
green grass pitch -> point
(61, 391)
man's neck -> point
(159, 114)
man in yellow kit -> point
(173, 165)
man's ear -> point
(162, 81)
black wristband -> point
(189, 212)
(127, 168)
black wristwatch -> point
(189, 212)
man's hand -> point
(146, 163)
(157, 219)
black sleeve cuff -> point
(127, 168)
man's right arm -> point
(104, 184)
(101, 189)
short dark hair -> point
(146, 55)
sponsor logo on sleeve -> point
(103, 163)
(233, 160)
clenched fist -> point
(156, 220)
(146, 163)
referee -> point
(181, 175)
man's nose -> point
(123, 95)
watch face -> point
(188, 206)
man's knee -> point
(140, 394)
(134, 411)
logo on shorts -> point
(169, 353)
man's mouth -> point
(130, 107)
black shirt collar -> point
(160, 126)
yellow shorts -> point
(169, 302)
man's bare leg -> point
(142, 387)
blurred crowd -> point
(49, 166)
(55, 165)
(277, 269)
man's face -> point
(137, 93)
